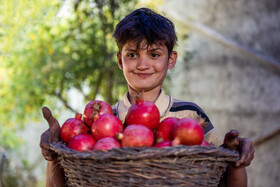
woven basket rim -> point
(136, 153)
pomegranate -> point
(187, 131)
(136, 136)
(106, 126)
(164, 129)
(163, 144)
(205, 143)
(94, 109)
(72, 127)
(143, 113)
(106, 144)
(82, 142)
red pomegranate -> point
(143, 113)
(82, 142)
(106, 126)
(164, 130)
(187, 131)
(106, 144)
(136, 136)
(94, 109)
(72, 127)
(163, 144)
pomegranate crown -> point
(201, 120)
(96, 105)
(78, 116)
(138, 98)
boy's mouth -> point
(143, 75)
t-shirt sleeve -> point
(182, 109)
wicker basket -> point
(123, 167)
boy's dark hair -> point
(145, 25)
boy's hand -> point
(243, 145)
(50, 135)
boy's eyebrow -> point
(155, 49)
(130, 49)
(151, 49)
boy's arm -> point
(236, 177)
(54, 174)
(236, 174)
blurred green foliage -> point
(46, 49)
(49, 47)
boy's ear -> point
(119, 57)
(172, 59)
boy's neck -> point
(150, 95)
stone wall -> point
(236, 92)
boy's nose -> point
(142, 63)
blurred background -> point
(61, 54)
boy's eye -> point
(132, 55)
(154, 55)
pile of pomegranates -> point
(101, 130)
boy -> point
(146, 40)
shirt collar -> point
(163, 103)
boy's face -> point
(145, 68)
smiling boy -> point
(145, 40)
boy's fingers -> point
(48, 155)
(49, 117)
(53, 124)
(231, 140)
(45, 140)
(247, 153)
(241, 161)
(250, 158)
(45, 146)
(50, 135)
(231, 135)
